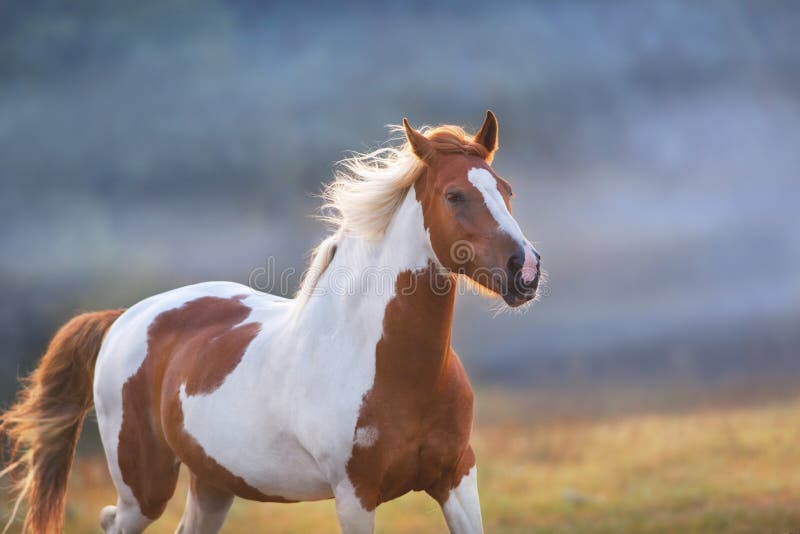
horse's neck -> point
(404, 246)
(369, 268)
(391, 287)
(415, 346)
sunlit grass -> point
(734, 470)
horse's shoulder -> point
(450, 415)
(457, 379)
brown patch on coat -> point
(197, 344)
(420, 403)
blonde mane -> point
(367, 189)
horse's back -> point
(126, 343)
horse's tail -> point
(43, 426)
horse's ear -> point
(419, 143)
(487, 135)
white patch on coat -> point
(366, 436)
(484, 182)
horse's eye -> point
(455, 197)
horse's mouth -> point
(521, 293)
(515, 300)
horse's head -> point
(467, 211)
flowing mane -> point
(367, 189)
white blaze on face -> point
(487, 185)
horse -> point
(351, 390)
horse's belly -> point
(250, 449)
(278, 474)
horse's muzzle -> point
(520, 285)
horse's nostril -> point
(515, 263)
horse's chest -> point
(417, 460)
(404, 444)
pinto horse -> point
(350, 391)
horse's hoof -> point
(107, 517)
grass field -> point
(715, 470)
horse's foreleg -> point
(353, 517)
(206, 509)
(461, 505)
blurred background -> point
(654, 149)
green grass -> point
(721, 470)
